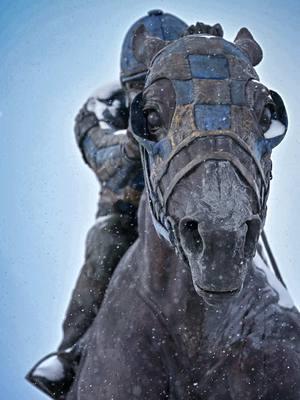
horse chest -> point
(213, 350)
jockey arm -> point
(101, 134)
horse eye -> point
(265, 119)
(153, 120)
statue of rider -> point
(108, 148)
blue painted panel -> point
(89, 150)
(138, 181)
(106, 153)
(230, 48)
(172, 27)
(184, 91)
(273, 142)
(238, 92)
(212, 117)
(209, 67)
(163, 148)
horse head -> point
(206, 128)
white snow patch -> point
(206, 35)
(284, 298)
(96, 107)
(104, 125)
(120, 132)
(101, 220)
(69, 349)
(51, 369)
(106, 91)
(256, 81)
(114, 107)
(276, 129)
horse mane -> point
(201, 28)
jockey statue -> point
(108, 148)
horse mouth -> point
(218, 292)
(216, 297)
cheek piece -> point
(209, 76)
(149, 151)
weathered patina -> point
(189, 312)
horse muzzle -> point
(218, 258)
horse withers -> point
(190, 313)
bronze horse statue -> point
(191, 312)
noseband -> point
(164, 224)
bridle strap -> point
(159, 206)
(220, 156)
(159, 227)
(197, 134)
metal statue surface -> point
(192, 311)
(109, 150)
(196, 316)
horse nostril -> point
(190, 237)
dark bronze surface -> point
(203, 321)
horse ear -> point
(279, 122)
(245, 41)
(145, 46)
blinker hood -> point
(210, 77)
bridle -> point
(257, 177)
(164, 223)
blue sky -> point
(53, 54)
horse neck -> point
(160, 264)
(167, 282)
